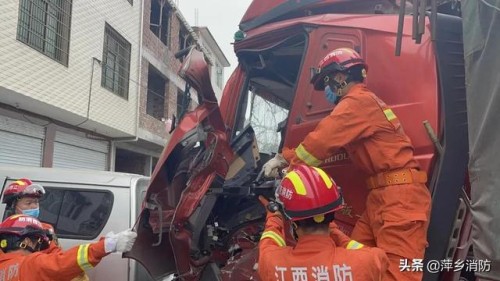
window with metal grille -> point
(185, 39)
(44, 25)
(159, 20)
(155, 105)
(115, 63)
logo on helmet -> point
(285, 193)
(30, 220)
(330, 55)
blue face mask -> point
(32, 212)
(331, 96)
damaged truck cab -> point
(201, 219)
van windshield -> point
(269, 92)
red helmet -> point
(338, 60)
(48, 228)
(22, 225)
(22, 188)
(308, 192)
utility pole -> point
(196, 17)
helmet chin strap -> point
(342, 85)
(341, 88)
(23, 245)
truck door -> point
(197, 154)
(311, 106)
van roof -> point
(69, 175)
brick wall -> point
(165, 55)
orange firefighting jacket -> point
(55, 247)
(316, 257)
(55, 266)
(366, 127)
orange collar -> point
(12, 255)
(314, 242)
(356, 88)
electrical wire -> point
(491, 5)
(27, 119)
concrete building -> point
(89, 84)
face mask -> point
(32, 212)
(331, 96)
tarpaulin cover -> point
(481, 26)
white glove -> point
(119, 242)
(272, 166)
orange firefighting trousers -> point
(396, 220)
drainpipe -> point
(94, 60)
(138, 96)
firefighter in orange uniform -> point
(21, 238)
(22, 197)
(398, 204)
(308, 197)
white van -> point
(84, 205)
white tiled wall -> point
(30, 73)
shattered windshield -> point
(264, 116)
(269, 91)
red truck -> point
(201, 219)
